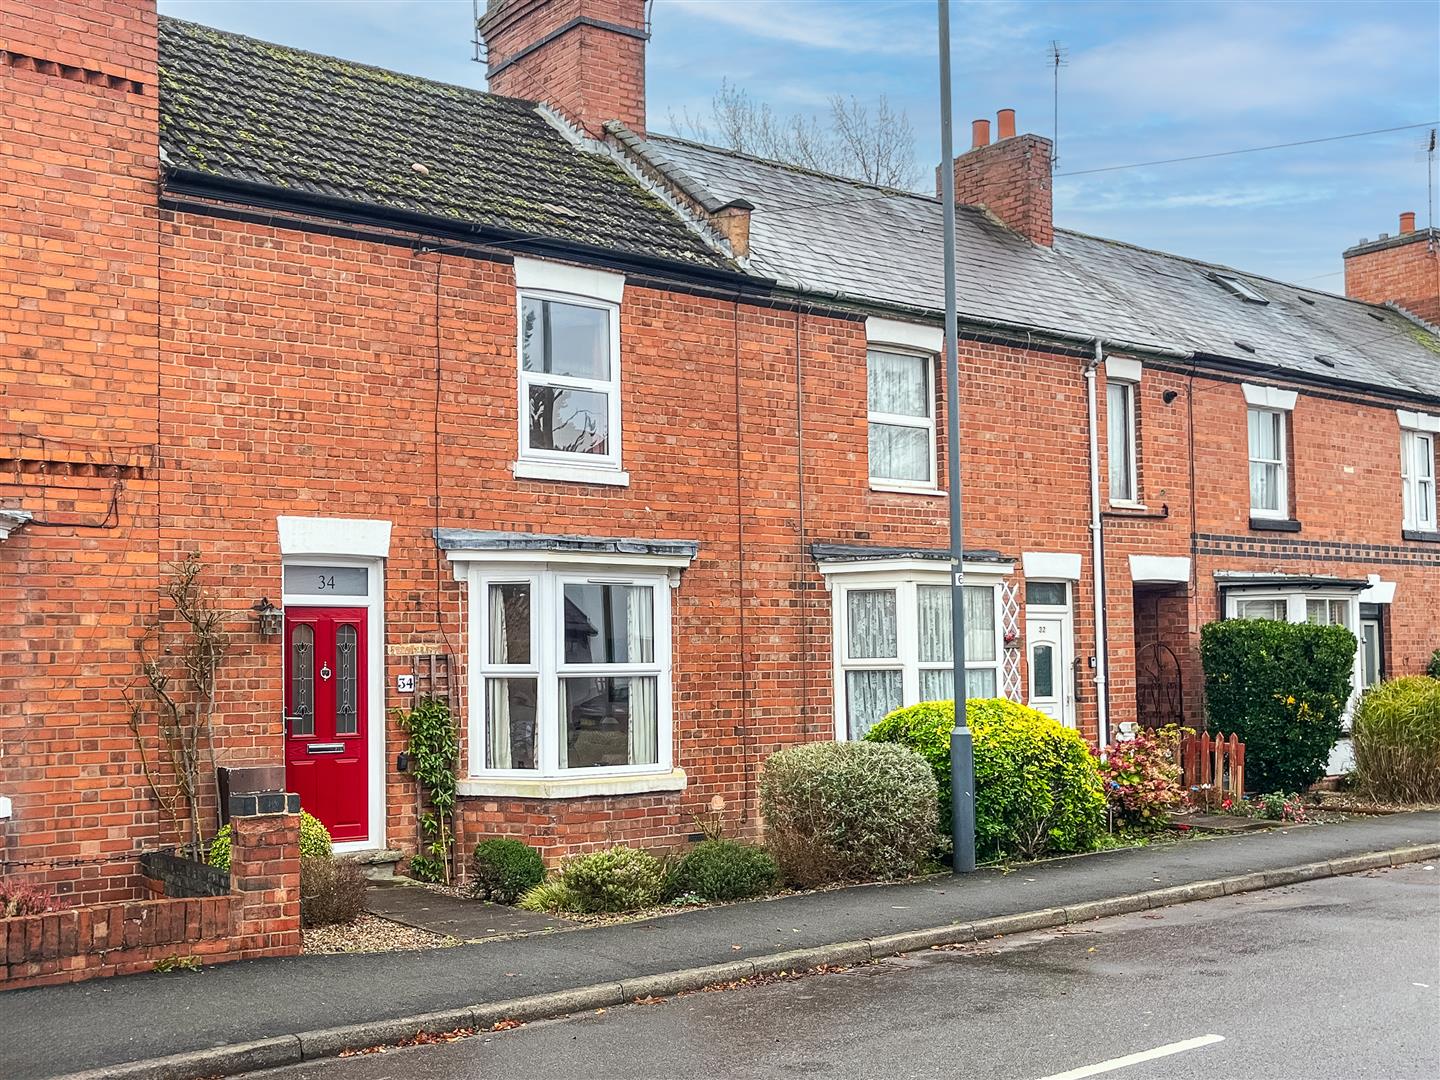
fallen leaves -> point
(426, 1038)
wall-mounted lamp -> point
(1169, 395)
(270, 617)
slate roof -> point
(235, 108)
(827, 234)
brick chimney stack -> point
(1403, 269)
(584, 58)
(1009, 177)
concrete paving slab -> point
(468, 920)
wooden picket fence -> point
(1213, 767)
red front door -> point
(326, 759)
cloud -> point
(1243, 60)
(890, 29)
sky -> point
(1141, 82)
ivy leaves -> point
(432, 750)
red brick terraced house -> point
(631, 449)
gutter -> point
(182, 181)
(1097, 556)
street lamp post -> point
(962, 748)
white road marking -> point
(1136, 1059)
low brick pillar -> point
(265, 872)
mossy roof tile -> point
(237, 108)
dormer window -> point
(1240, 287)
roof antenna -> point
(1058, 59)
(479, 42)
(1430, 177)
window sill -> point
(579, 787)
(1264, 524)
(901, 489)
(1423, 537)
(575, 474)
(1129, 505)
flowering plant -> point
(1277, 806)
(1142, 777)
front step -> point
(377, 863)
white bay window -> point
(570, 662)
(892, 641)
(572, 672)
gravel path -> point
(370, 933)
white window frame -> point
(547, 664)
(904, 576)
(926, 423)
(1283, 512)
(582, 287)
(1294, 599)
(1417, 449)
(1130, 389)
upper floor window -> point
(1269, 485)
(1417, 477)
(902, 418)
(1120, 441)
(569, 372)
(1266, 423)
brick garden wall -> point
(260, 916)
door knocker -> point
(325, 671)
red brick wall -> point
(260, 917)
(1405, 270)
(1010, 178)
(78, 337)
(253, 368)
(590, 73)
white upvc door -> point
(1049, 639)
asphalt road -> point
(1334, 978)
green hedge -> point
(848, 811)
(724, 870)
(1396, 735)
(1037, 789)
(505, 869)
(1282, 688)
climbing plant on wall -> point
(432, 750)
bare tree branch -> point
(874, 143)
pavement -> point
(1334, 978)
(52, 1031)
(468, 920)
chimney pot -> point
(1384, 236)
(1006, 119)
(979, 134)
(1407, 222)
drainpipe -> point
(1097, 556)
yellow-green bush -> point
(1396, 738)
(314, 842)
(1037, 787)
